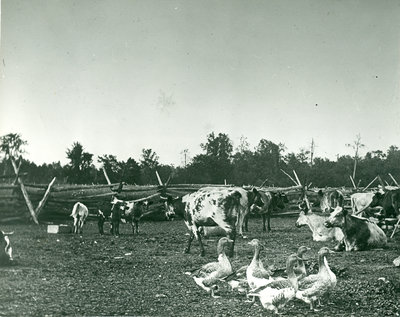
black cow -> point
(389, 201)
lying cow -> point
(330, 199)
(79, 213)
(389, 201)
(271, 201)
(359, 233)
(218, 206)
(316, 224)
(5, 248)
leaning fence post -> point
(24, 192)
(44, 199)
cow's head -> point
(279, 199)
(117, 202)
(377, 199)
(324, 201)
(255, 200)
(336, 218)
(302, 220)
(169, 208)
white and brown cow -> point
(130, 211)
(218, 206)
(272, 201)
(79, 213)
(5, 248)
(359, 233)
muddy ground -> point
(143, 275)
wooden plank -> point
(25, 193)
(44, 199)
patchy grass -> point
(143, 275)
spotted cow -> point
(225, 207)
(272, 201)
(359, 233)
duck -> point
(256, 274)
(300, 268)
(277, 293)
(209, 275)
(314, 286)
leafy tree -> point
(80, 169)
(12, 145)
(148, 165)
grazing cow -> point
(330, 199)
(218, 206)
(389, 201)
(5, 248)
(130, 211)
(79, 213)
(271, 201)
(316, 224)
(359, 233)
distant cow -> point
(5, 248)
(79, 213)
(330, 199)
(218, 206)
(360, 202)
(359, 233)
(169, 210)
(130, 211)
(271, 201)
(316, 224)
(389, 201)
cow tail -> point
(74, 210)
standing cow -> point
(330, 199)
(359, 233)
(218, 206)
(79, 213)
(272, 201)
(389, 201)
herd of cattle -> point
(229, 208)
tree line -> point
(219, 162)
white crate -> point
(59, 229)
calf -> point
(316, 224)
(359, 233)
(330, 199)
(271, 201)
(389, 201)
(218, 206)
(79, 213)
(5, 248)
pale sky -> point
(120, 76)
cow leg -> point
(202, 252)
(264, 218)
(269, 221)
(340, 246)
(246, 223)
(116, 228)
(100, 224)
(137, 226)
(232, 235)
(189, 242)
(76, 225)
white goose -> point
(276, 294)
(211, 273)
(256, 274)
(313, 287)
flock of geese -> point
(256, 281)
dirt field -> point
(63, 274)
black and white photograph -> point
(200, 158)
